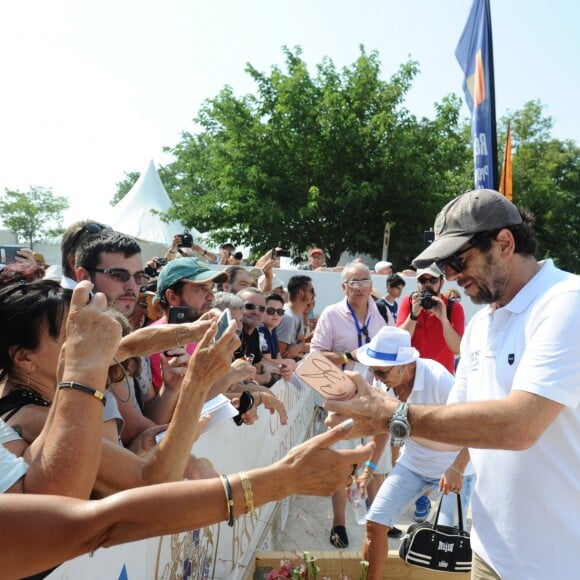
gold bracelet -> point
(456, 470)
(248, 495)
(345, 359)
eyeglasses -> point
(381, 375)
(271, 311)
(453, 261)
(365, 283)
(428, 280)
(123, 276)
(250, 306)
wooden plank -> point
(337, 565)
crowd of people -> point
(95, 366)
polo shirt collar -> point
(534, 288)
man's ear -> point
(172, 298)
(82, 274)
(506, 242)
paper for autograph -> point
(325, 378)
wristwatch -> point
(399, 424)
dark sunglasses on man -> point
(271, 311)
(250, 306)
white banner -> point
(217, 551)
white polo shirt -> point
(526, 504)
(431, 386)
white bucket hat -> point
(390, 347)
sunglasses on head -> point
(453, 261)
(250, 306)
(271, 311)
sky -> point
(91, 90)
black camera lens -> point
(427, 301)
(238, 255)
(186, 240)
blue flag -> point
(475, 56)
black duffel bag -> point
(437, 547)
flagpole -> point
(492, 95)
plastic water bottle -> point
(358, 503)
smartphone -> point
(178, 314)
(246, 403)
(223, 323)
(8, 253)
(325, 378)
(281, 253)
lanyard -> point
(360, 331)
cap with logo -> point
(476, 211)
(432, 270)
(315, 251)
(189, 270)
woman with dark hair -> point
(32, 320)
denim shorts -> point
(404, 486)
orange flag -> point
(505, 183)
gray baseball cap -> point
(476, 211)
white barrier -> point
(218, 551)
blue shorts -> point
(401, 487)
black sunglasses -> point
(271, 311)
(250, 306)
(123, 276)
(427, 280)
(453, 261)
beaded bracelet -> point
(88, 390)
(248, 495)
(229, 499)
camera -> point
(186, 240)
(238, 256)
(281, 253)
(152, 271)
(427, 301)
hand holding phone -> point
(325, 378)
(223, 323)
(246, 403)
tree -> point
(324, 160)
(546, 177)
(124, 186)
(33, 215)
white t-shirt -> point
(432, 385)
(12, 468)
(526, 504)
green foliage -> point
(33, 215)
(322, 160)
(124, 186)
(546, 180)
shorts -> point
(402, 487)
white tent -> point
(133, 215)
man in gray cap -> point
(517, 390)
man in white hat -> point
(409, 379)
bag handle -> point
(459, 512)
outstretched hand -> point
(370, 408)
(92, 336)
(313, 468)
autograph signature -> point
(324, 377)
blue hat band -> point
(381, 355)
